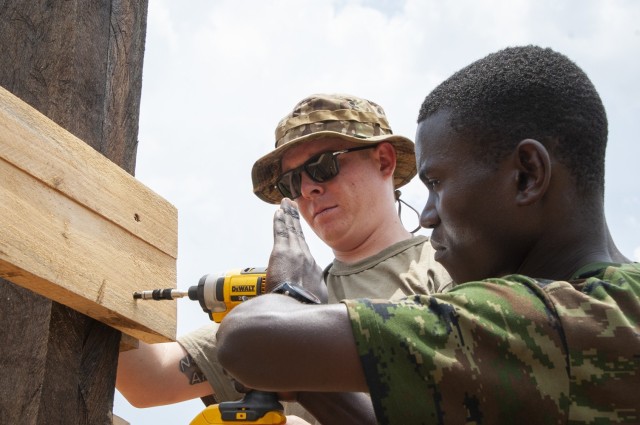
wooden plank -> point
(40, 147)
(78, 229)
(128, 342)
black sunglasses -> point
(319, 168)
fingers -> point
(285, 257)
(291, 259)
(291, 210)
(290, 207)
(287, 228)
(296, 235)
(292, 220)
(279, 225)
(286, 219)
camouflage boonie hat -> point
(336, 116)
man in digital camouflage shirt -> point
(546, 328)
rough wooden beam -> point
(79, 63)
(78, 229)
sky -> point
(219, 75)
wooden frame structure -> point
(79, 63)
(79, 230)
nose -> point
(429, 218)
(308, 187)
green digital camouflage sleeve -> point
(497, 352)
(602, 330)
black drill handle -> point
(255, 404)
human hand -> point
(291, 260)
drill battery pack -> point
(256, 407)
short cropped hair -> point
(528, 92)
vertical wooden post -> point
(80, 63)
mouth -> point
(320, 211)
(439, 248)
(436, 244)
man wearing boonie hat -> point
(336, 156)
(353, 209)
(346, 143)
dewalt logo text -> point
(243, 288)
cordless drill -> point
(218, 294)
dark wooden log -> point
(79, 63)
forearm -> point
(306, 347)
(159, 374)
(339, 408)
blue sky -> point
(218, 76)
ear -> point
(386, 155)
(533, 171)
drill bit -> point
(160, 294)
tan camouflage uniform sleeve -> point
(201, 344)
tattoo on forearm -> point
(191, 370)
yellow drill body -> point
(225, 291)
(218, 294)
